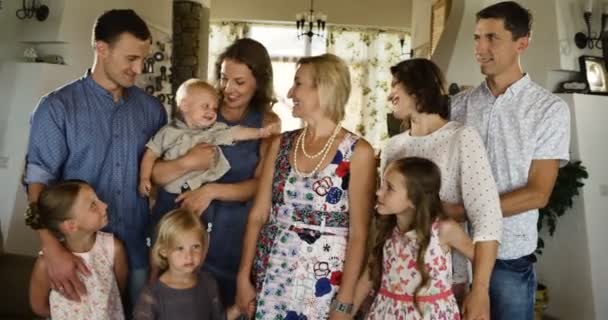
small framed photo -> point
(593, 70)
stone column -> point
(190, 40)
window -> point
(285, 49)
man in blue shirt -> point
(95, 129)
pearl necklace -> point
(324, 152)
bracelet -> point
(341, 307)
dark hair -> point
(517, 19)
(255, 56)
(111, 24)
(423, 182)
(55, 203)
(424, 80)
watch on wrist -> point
(341, 307)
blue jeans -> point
(136, 281)
(512, 289)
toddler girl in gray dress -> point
(182, 291)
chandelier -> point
(311, 23)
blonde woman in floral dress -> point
(306, 233)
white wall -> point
(384, 13)
(421, 23)
(67, 32)
(454, 52)
(574, 264)
(10, 49)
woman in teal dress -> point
(244, 74)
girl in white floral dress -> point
(410, 265)
(306, 233)
(73, 209)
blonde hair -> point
(187, 87)
(332, 80)
(174, 223)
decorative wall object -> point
(156, 75)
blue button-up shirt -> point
(79, 132)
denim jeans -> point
(136, 281)
(512, 289)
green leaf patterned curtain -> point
(369, 53)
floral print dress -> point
(400, 278)
(300, 251)
(103, 296)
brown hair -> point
(332, 80)
(425, 81)
(423, 181)
(175, 222)
(55, 204)
(255, 56)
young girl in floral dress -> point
(410, 264)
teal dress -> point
(228, 218)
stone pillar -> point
(190, 40)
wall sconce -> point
(583, 40)
(41, 12)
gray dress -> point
(201, 302)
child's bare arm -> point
(452, 234)
(120, 265)
(240, 133)
(362, 290)
(145, 172)
(40, 289)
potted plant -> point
(569, 181)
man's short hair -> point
(517, 19)
(111, 24)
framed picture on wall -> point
(593, 70)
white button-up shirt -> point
(525, 123)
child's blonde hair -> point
(193, 84)
(174, 223)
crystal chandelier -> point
(311, 23)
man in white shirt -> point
(526, 131)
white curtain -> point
(221, 35)
(369, 53)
